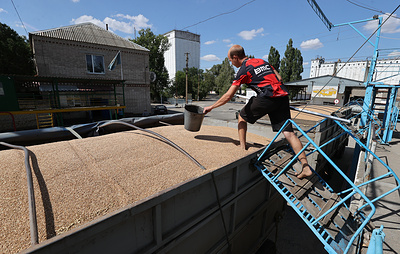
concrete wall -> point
(136, 99)
(59, 58)
(22, 122)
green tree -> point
(292, 67)
(15, 53)
(196, 83)
(209, 80)
(225, 77)
(274, 58)
(292, 64)
(157, 44)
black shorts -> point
(277, 109)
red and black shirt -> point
(259, 75)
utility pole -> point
(187, 68)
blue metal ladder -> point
(325, 212)
(390, 113)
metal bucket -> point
(193, 117)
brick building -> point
(85, 50)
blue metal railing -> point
(361, 219)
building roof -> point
(327, 80)
(186, 35)
(89, 33)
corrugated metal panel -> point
(89, 33)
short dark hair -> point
(237, 50)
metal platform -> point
(324, 211)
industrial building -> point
(182, 42)
(337, 83)
(328, 90)
(386, 70)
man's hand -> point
(223, 100)
(207, 109)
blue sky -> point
(255, 24)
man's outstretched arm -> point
(223, 100)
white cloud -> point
(394, 53)
(2, 10)
(210, 58)
(137, 22)
(114, 24)
(19, 24)
(75, 1)
(210, 42)
(265, 57)
(311, 44)
(26, 25)
(86, 18)
(249, 35)
(227, 40)
(391, 26)
(306, 63)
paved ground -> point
(388, 208)
(293, 236)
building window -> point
(95, 64)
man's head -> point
(236, 55)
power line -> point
(371, 9)
(351, 57)
(221, 14)
(20, 18)
(278, 45)
(389, 38)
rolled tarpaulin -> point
(55, 134)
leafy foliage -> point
(291, 64)
(157, 44)
(225, 77)
(15, 53)
(198, 83)
(274, 58)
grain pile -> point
(79, 180)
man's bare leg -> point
(296, 144)
(242, 129)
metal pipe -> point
(31, 194)
(156, 134)
(320, 114)
(376, 243)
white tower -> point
(181, 42)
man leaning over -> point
(272, 99)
